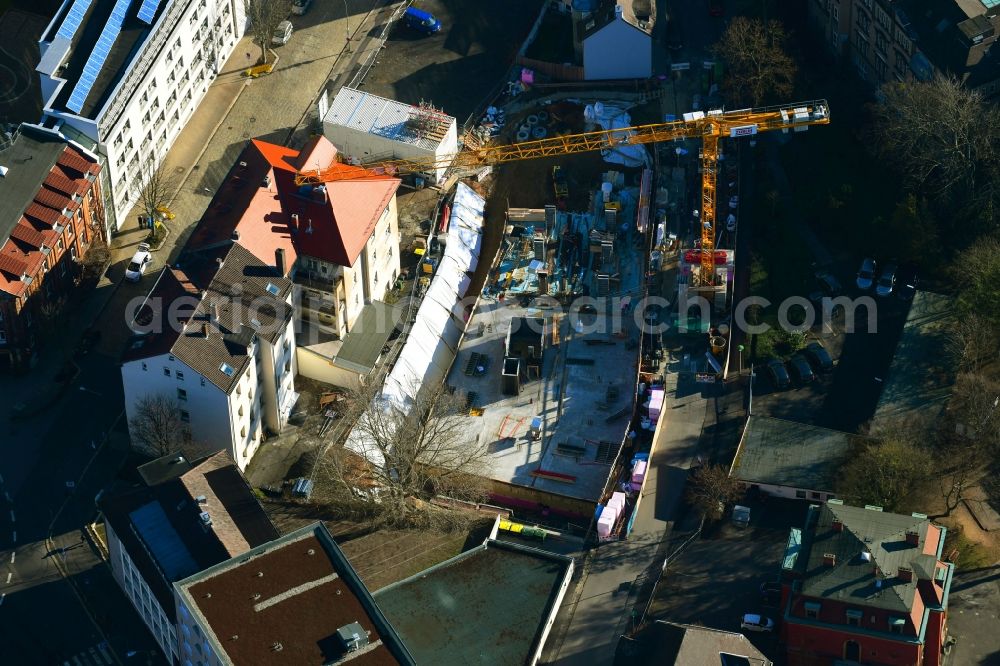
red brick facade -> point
(39, 261)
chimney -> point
(215, 314)
(838, 525)
(279, 260)
(204, 330)
(236, 234)
(829, 560)
(904, 574)
(913, 537)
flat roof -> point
(371, 114)
(283, 603)
(120, 56)
(486, 605)
(920, 377)
(785, 453)
(363, 344)
(586, 385)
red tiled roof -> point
(12, 265)
(52, 199)
(71, 159)
(46, 215)
(26, 233)
(58, 181)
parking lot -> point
(457, 68)
(844, 399)
(716, 579)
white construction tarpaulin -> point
(432, 341)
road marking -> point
(9, 576)
(12, 554)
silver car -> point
(753, 622)
(866, 274)
(886, 281)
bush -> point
(96, 260)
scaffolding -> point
(428, 122)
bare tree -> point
(711, 489)
(157, 429)
(977, 272)
(942, 136)
(972, 342)
(264, 17)
(401, 456)
(884, 472)
(758, 67)
(157, 187)
(974, 412)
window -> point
(182, 394)
(800, 494)
(180, 375)
(185, 416)
(812, 609)
(227, 370)
(374, 254)
(896, 624)
(166, 372)
(376, 277)
(854, 617)
(243, 432)
(72, 252)
(241, 410)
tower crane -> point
(709, 126)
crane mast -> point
(709, 126)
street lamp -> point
(347, 19)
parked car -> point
(801, 369)
(282, 33)
(300, 7)
(778, 373)
(754, 622)
(140, 260)
(421, 21)
(730, 223)
(866, 274)
(886, 281)
(907, 281)
(819, 356)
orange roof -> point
(264, 227)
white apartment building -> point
(122, 77)
(187, 517)
(225, 352)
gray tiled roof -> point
(244, 305)
(852, 579)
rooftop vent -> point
(352, 636)
(266, 182)
(206, 519)
(236, 235)
(311, 551)
(829, 559)
(200, 499)
(243, 165)
(3, 171)
(866, 556)
(234, 637)
(276, 647)
(260, 574)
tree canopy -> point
(757, 67)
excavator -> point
(709, 126)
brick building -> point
(50, 214)
(906, 40)
(864, 586)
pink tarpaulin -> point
(655, 404)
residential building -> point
(791, 460)
(123, 78)
(295, 600)
(367, 128)
(339, 243)
(614, 38)
(663, 643)
(218, 338)
(450, 613)
(865, 586)
(905, 40)
(50, 214)
(188, 517)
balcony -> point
(316, 281)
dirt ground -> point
(931, 503)
(459, 66)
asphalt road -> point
(49, 483)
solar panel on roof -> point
(98, 56)
(163, 541)
(148, 10)
(990, 4)
(74, 17)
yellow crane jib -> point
(709, 126)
